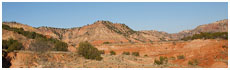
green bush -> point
(162, 60)
(61, 46)
(193, 62)
(135, 53)
(224, 46)
(15, 46)
(126, 53)
(106, 43)
(11, 45)
(102, 51)
(112, 53)
(172, 58)
(180, 57)
(88, 51)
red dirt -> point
(207, 52)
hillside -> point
(209, 54)
(218, 26)
(105, 31)
(26, 46)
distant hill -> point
(105, 31)
(218, 26)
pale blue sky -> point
(161, 16)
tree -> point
(88, 51)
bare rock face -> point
(99, 32)
(218, 26)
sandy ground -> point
(208, 53)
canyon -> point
(108, 36)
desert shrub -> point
(135, 53)
(102, 51)
(206, 35)
(11, 45)
(112, 53)
(61, 46)
(15, 46)
(39, 46)
(172, 58)
(4, 44)
(88, 51)
(180, 57)
(224, 46)
(193, 62)
(126, 53)
(162, 60)
(106, 42)
(5, 27)
(146, 55)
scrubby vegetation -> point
(102, 51)
(224, 46)
(126, 53)
(115, 29)
(58, 45)
(206, 35)
(172, 58)
(106, 42)
(88, 51)
(162, 60)
(112, 53)
(135, 53)
(11, 45)
(193, 62)
(39, 46)
(180, 57)
(146, 55)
